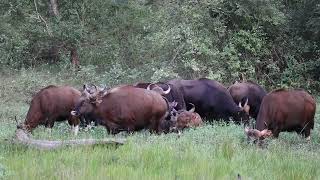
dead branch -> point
(22, 137)
(42, 19)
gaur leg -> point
(82, 122)
(74, 122)
(114, 131)
(49, 124)
(310, 125)
(112, 127)
(276, 132)
(152, 127)
(156, 124)
(306, 133)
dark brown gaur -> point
(286, 110)
(248, 90)
(125, 108)
(51, 104)
(212, 99)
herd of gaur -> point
(174, 105)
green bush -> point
(273, 42)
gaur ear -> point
(95, 87)
(149, 86)
(102, 92)
(86, 88)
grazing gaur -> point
(286, 110)
(124, 108)
(186, 119)
(241, 91)
(211, 98)
(51, 104)
(174, 95)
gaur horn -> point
(104, 90)
(168, 90)
(88, 88)
(149, 86)
(74, 113)
(246, 107)
(193, 108)
(23, 138)
(246, 103)
(159, 89)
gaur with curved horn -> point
(175, 93)
(248, 90)
(211, 98)
(245, 107)
(126, 108)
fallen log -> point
(22, 137)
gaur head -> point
(243, 113)
(91, 96)
(256, 134)
(23, 126)
(169, 121)
(184, 119)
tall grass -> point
(214, 151)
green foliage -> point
(273, 42)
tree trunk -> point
(53, 54)
(74, 57)
(54, 49)
(53, 8)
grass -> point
(214, 151)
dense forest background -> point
(275, 42)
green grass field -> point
(214, 151)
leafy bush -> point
(274, 42)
